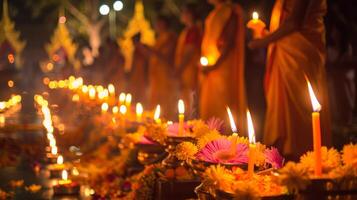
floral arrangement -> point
(213, 147)
(239, 184)
(338, 166)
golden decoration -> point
(138, 24)
(9, 34)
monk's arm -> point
(293, 23)
(230, 31)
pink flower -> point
(273, 157)
(173, 129)
(145, 140)
(216, 124)
(219, 151)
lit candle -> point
(252, 146)
(115, 110)
(60, 160)
(157, 114)
(139, 112)
(92, 93)
(123, 111)
(64, 180)
(122, 98)
(111, 89)
(2, 120)
(181, 109)
(316, 130)
(54, 150)
(128, 101)
(104, 107)
(256, 25)
(75, 98)
(204, 61)
(234, 131)
(84, 89)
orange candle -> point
(316, 130)
(139, 112)
(252, 146)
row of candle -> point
(6, 108)
(48, 125)
(125, 104)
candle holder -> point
(69, 189)
(150, 153)
(171, 142)
(222, 195)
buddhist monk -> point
(222, 57)
(161, 68)
(187, 57)
(296, 49)
(138, 74)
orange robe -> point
(138, 77)
(224, 86)
(161, 75)
(189, 77)
(288, 120)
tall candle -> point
(181, 109)
(157, 114)
(139, 112)
(252, 146)
(234, 131)
(316, 130)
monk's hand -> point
(257, 43)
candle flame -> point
(251, 133)
(255, 15)
(204, 61)
(128, 98)
(60, 159)
(115, 109)
(231, 120)
(111, 88)
(91, 92)
(105, 107)
(123, 109)
(54, 150)
(64, 175)
(315, 103)
(139, 109)
(157, 112)
(181, 106)
(122, 97)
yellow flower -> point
(260, 156)
(157, 132)
(349, 154)
(210, 136)
(186, 151)
(33, 188)
(294, 176)
(219, 177)
(199, 129)
(345, 172)
(240, 140)
(330, 159)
